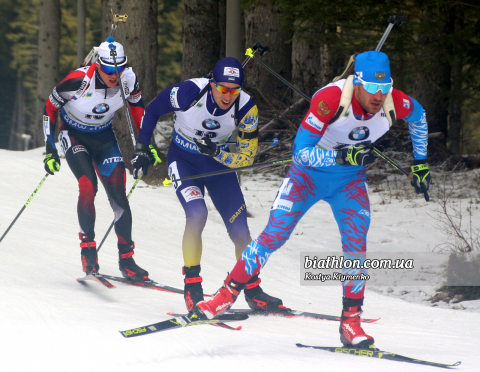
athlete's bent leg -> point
(295, 196)
(351, 208)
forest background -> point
(435, 57)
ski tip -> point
(370, 320)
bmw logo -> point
(359, 134)
(101, 108)
(210, 124)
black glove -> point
(356, 155)
(421, 177)
(51, 161)
(141, 160)
(207, 147)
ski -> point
(288, 313)
(180, 322)
(97, 278)
(373, 352)
(146, 284)
(222, 325)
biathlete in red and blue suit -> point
(87, 100)
(206, 112)
(329, 158)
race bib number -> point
(64, 141)
(174, 175)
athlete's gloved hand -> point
(141, 160)
(51, 161)
(421, 177)
(356, 155)
(207, 147)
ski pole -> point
(392, 21)
(249, 53)
(115, 19)
(113, 53)
(384, 157)
(25, 206)
(167, 182)
(113, 222)
(273, 142)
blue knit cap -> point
(372, 67)
(228, 70)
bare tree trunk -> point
(81, 31)
(201, 37)
(139, 39)
(308, 73)
(18, 120)
(433, 83)
(456, 98)
(263, 24)
(48, 60)
(234, 46)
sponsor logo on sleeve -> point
(173, 97)
(231, 71)
(191, 193)
(46, 125)
(314, 122)
(406, 103)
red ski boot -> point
(89, 255)
(127, 265)
(351, 332)
(223, 299)
(193, 291)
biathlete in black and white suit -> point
(87, 100)
(206, 112)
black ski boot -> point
(193, 292)
(89, 255)
(257, 299)
(127, 265)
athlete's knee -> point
(87, 188)
(197, 217)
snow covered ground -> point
(50, 322)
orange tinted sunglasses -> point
(225, 90)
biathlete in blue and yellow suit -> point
(329, 164)
(206, 112)
(87, 100)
